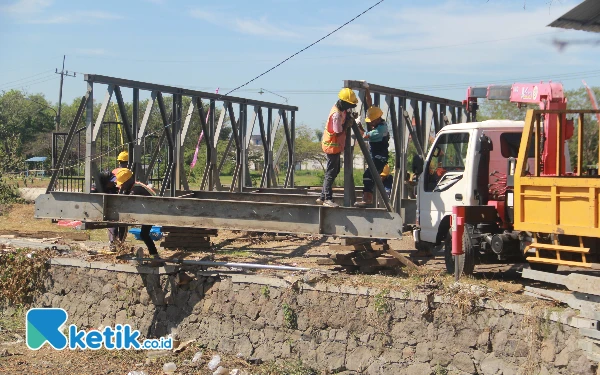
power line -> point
(307, 47)
(454, 85)
(25, 78)
(323, 57)
(28, 83)
(46, 80)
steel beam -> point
(96, 78)
(295, 190)
(349, 196)
(67, 145)
(207, 140)
(135, 149)
(238, 215)
(90, 142)
(212, 176)
(288, 197)
(399, 154)
(288, 142)
(358, 85)
(374, 174)
(102, 112)
(124, 117)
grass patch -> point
(290, 318)
(286, 368)
(265, 291)
(381, 303)
(235, 253)
(22, 275)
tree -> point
(501, 110)
(21, 121)
(579, 99)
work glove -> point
(365, 85)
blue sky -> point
(433, 47)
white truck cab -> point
(451, 171)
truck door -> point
(445, 181)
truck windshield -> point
(449, 155)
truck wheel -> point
(466, 262)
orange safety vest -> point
(332, 143)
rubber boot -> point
(367, 200)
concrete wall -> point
(339, 328)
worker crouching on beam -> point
(117, 235)
(334, 139)
(379, 141)
(127, 185)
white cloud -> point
(91, 51)
(259, 27)
(76, 17)
(26, 7)
(204, 15)
(454, 35)
(262, 27)
(36, 12)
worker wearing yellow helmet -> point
(123, 160)
(128, 185)
(379, 141)
(334, 140)
(117, 235)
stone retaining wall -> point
(328, 327)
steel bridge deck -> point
(220, 214)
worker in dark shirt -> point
(107, 185)
(379, 141)
(128, 185)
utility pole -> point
(62, 74)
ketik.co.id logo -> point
(45, 325)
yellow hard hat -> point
(373, 113)
(348, 96)
(123, 156)
(386, 171)
(123, 175)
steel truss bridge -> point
(156, 135)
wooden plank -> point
(326, 262)
(378, 246)
(369, 254)
(188, 237)
(387, 262)
(189, 230)
(343, 247)
(404, 260)
(354, 241)
(177, 245)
